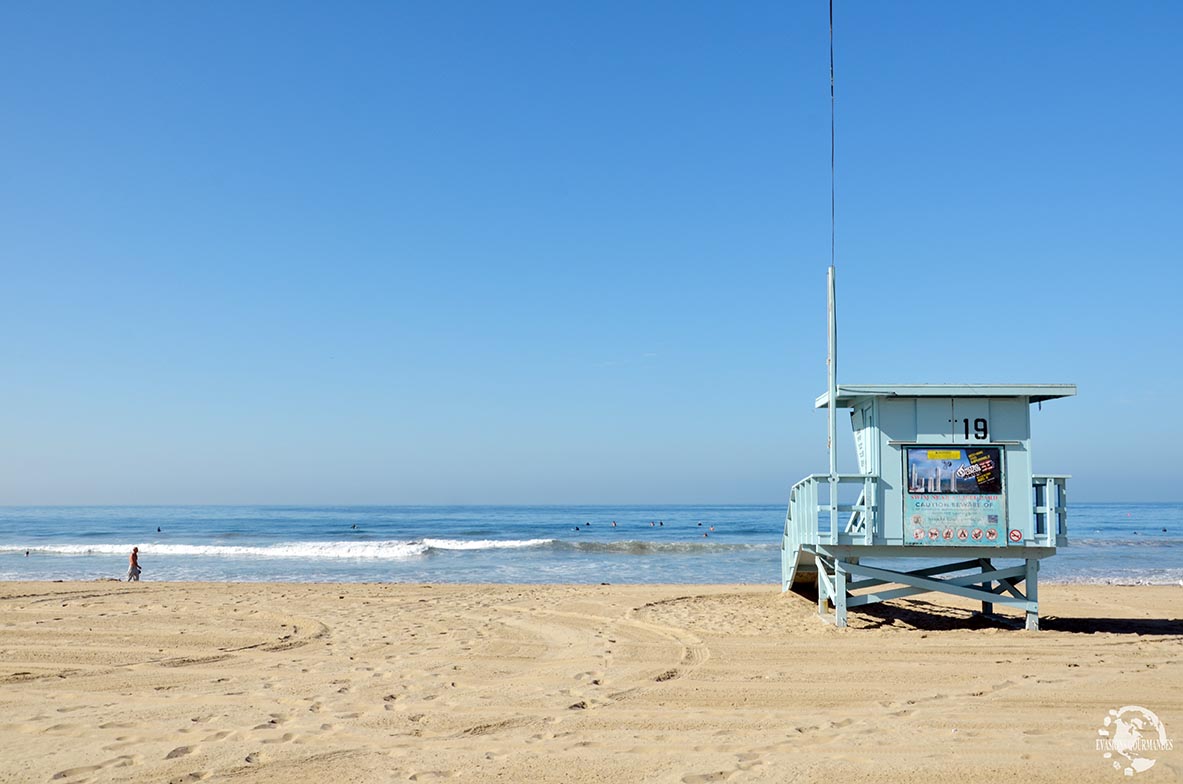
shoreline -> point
(296, 682)
(1100, 582)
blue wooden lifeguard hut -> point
(945, 475)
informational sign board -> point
(954, 497)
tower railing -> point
(808, 517)
(1050, 497)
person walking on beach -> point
(133, 565)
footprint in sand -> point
(59, 727)
(117, 762)
(284, 738)
(703, 778)
(122, 743)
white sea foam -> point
(639, 547)
(1162, 577)
(316, 550)
(484, 544)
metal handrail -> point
(1050, 507)
(802, 521)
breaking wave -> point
(634, 547)
(484, 544)
(392, 549)
(313, 550)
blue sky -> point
(532, 252)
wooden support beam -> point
(957, 586)
(928, 571)
(840, 577)
(987, 585)
(824, 587)
(964, 580)
(1033, 594)
(1011, 586)
(840, 592)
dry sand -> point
(374, 683)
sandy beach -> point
(179, 682)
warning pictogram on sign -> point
(1016, 535)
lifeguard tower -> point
(945, 475)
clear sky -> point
(535, 252)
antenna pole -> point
(833, 199)
(832, 387)
(832, 331)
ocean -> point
(1110, 543)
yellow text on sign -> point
(944, 454)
